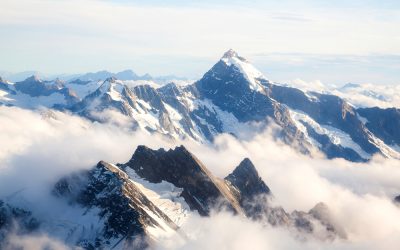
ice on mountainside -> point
(231, 57)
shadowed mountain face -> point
(243, 191)
(236, 87)
(246, 180)
(384, 123)
(228, 88)
(201, 190)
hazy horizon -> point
(311, 40)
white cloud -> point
(359, 196)
(371, 95)
(360, 95)
(37, 242)
(37, 151)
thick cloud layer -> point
(359, 196)
(37, 149)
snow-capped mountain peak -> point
(230, 53)
(252, 74)
(113, 88)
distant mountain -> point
(360, 95)
(133, 205)
(124, 75)
(34, 92)
(102, 75)
(370, 95)
(20, 76)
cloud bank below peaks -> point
(39, 148)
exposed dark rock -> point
(246, 179)
(254, 195)
(397, 199)
(122, 205)
(201, 190)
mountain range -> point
(92, 76)
(233, 96)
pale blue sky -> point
(332, 41)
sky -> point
(335, 42)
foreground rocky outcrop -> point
(132, 205)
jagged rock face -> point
(201, 190)
(119, 220)
(153, 98)
(149, 95)
(384, 123)
(173, 95)
(247, 182)
(246, 97)
(243, 190)
(124, 209)
(327, 110)
(227, 88)
(254, 195)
